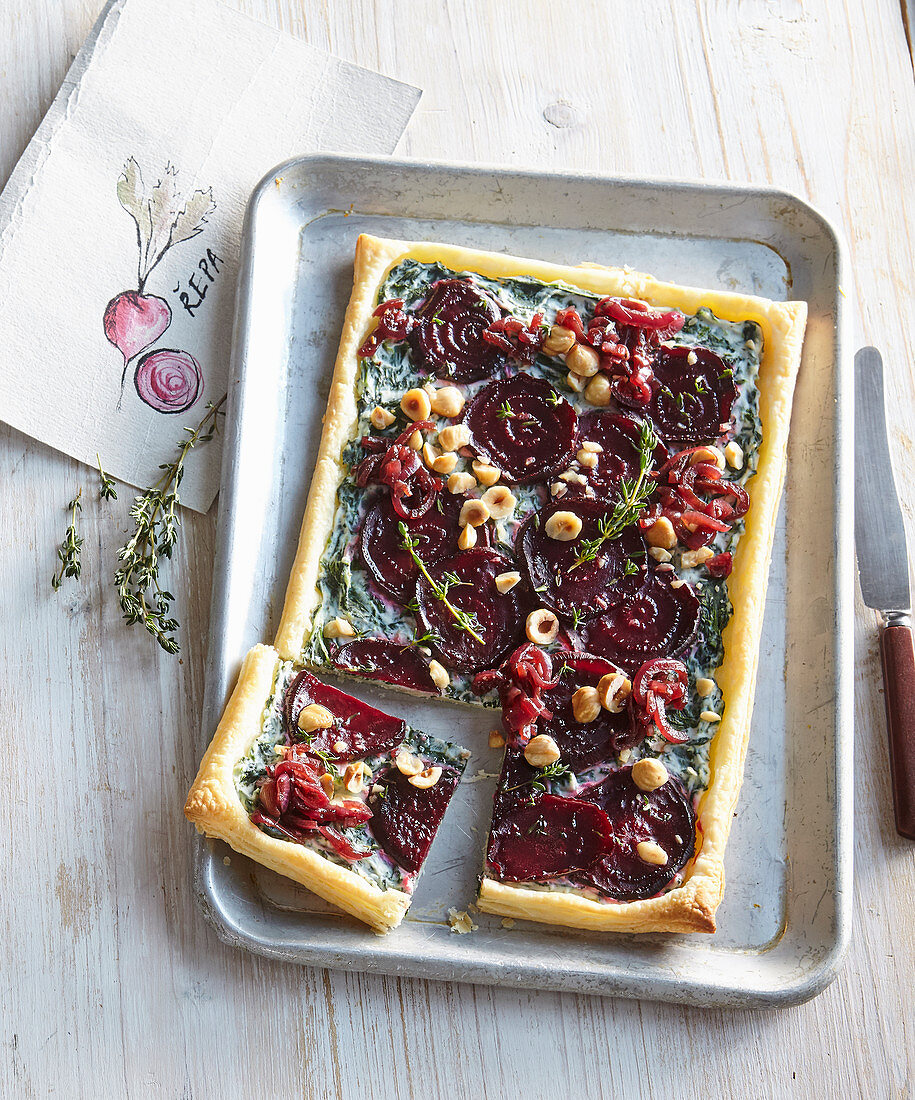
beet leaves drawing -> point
(167, 379)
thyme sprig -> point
(556, 770)
(635, 493)
(155, 512)
(463, 620)
(68, 552)
(106, 490)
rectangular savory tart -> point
(323, 788)
(554, 489)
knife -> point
(883, 568)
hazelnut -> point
(710, 455)
(689, 559)
(381, 418)
(327, 783)
(588, 459)
(448, 401)
(575, 383)
(542, 626)
(613, 690)
(453, 437)
(467, 539)
(338, 628)
(557, 489)
(439, 675)
(339, 746)
(709, 716)
(595, 448)
(650, 852)
(505, 582)
(692, 358)
(500, 501)
(704, 687)
(484, 473)
(563, 526)
(461, 483)
(445, 464)
(661, 533)
(733, 454)
(649, 774)
(353, 777)
(582, 360)
(416, 404)
(559, 341)
(597, 391)
(659, 553)
(473, 512)
(314, 717)
(430, 454)
(585, 704)
(407, 763)
(428, 777)
(677, 584)
(416, 441)
(541, 751)
(496, 739)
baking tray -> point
(784, 923)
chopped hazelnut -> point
(500, 501)
(445, 464)
(689, 559)
(416, 404)
(448, 401)
(613, 690)
(461, 483)
(381, 417)
(559, 341)
(428, 777)
(597, 391)
(661, 533)
(314, 717)
(582, 360)
(733, 454)
(704, 687)
(467, 539)
(541, 751)
(505, 582)
(707, 454)
(650, 852)
(338, 628)
(430, 454)
(575, 382)
(659, 553)
(648, 774)
(484, 473)
(453, 437)
(416, 441)
(557, 489)
(327, 784)
(473, 512)
(595, 448)
(563, 526)
(677, 584)
(407, 763)
(709, 716)
(353, 777)
(588, 459)
(339, 746)
(439, 675)
(585, 704)
(496, 739)
(542, 626)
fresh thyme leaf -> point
(505, 412)
(155, 515)
(462, 619)
(553, 398)
(68, 553)
(106, 488)
(556, 770)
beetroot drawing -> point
(170, 380)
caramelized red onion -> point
(520, 682)
(660, 685)
(695, 520)
(394, 323)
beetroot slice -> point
(554, 836)
(448, 336)
(523, 428)
(665, 816)
(691, 401)
(405, 818)
(498, 618)
(363, 730)
(593, 586)
(389, 662)
(582, 744)
(619, 436)
(392, 568)
(657, 621)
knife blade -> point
(883, 569)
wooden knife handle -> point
(899, 693)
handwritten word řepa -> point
(198, 282)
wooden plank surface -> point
(113, 985)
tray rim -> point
(825, 969)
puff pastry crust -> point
(691, 906)
(215, 809)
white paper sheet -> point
(120, 226)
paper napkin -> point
(120, 226)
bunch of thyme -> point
(463, 620)
(626, 511)
(68, 552)
(142, 598)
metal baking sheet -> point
(785, 920)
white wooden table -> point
(112, 983)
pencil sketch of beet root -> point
(167, 380)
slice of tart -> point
(325, 789)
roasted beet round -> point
(585, 590)
(582, 744)
(447, 337)
(619, 437)
(478, 625)
(523, 427)
(656, 621)
(691, 402)
(363, 730)
(381, 548)
(664, 816)
(387, 661)
(405, 818)
(553, 836)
